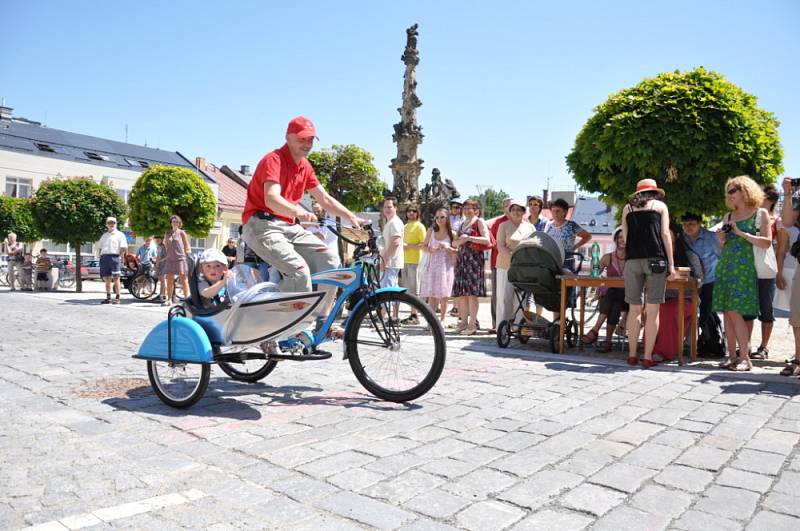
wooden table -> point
(584, 281)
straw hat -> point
(648, 185)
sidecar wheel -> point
(178, 385)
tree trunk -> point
(78, 276)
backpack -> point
(711, 341)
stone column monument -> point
(406, 167)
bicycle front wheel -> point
(395, 346)
(66, 281)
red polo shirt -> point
(494, 227)
(278, 166)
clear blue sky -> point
(505, 86)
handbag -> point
(766, 263)
(476, 231)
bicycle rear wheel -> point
(395, 359)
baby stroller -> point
(536, 264)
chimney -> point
(545, 198)
(245, 169)
(5, 112)
(200, 162)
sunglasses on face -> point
(409, 211)
(441, 217)
(733, 190)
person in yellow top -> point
(413, 242)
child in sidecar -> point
(213, 277)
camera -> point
(795, 182)
(727, 228)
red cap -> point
(302, 127)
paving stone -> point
(651, 455)
(479, 484)
(684, 478)
(403, 487)
(769, 521)
(615, 449)
(424, 524)
(564, 443)
(630, 518)
(728, 502)
(365, 510)
(694, 520)
(592, 499)
(778, 442)
(303, 488)
(480, 455)
(442, 448)
(479, 435)
(539, 488)
(761, 462)
(488, 516)
(664, 416)
(525, 463)
(723, 443)
(782, 503)
(621, 476)
(437, 503)
(355, 479)
(731, 477)
(545, 427)
(705, 458)
(554, 520)
(635, 433)
(788, 483)
(515, 441)
(585, 463)
(395, 464)
(449, 467)
(328, 466)
(676, 438)
(671, 503)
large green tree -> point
(688, 130)
(16, 217)
(349, 175)
(74, 211)
(491, 202)
(162, 191)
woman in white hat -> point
(509, 234)
(649, 263)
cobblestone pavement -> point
(508, 439)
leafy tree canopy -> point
(349, 175)
(491, 202)
(16, 216)
(74, 210)
(690, 131)
(163, 191)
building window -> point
(19, 187)
(123, 194)
(233, 231)
(198, 245)
(96, 156)
(49, 147)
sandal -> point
(742, 366)
(589, 337)
(762, 353)
(792, 368)
(727, 364)
(604, 347)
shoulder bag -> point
(766, 263)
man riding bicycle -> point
(271, 214)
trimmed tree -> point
(690, 131)
(349, 175)
(16, 216)
(74, 211)
(162, 191)
(491, 202)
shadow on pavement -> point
(787, 389)
(588, 368)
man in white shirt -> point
(320, 229)
(392, 246)
(113, 247)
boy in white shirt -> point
(392, 255)
(214, 276)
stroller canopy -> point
(535, 263)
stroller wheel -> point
(523, 337)
(503, 334)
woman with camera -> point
(736, 289)
(789, 217)
(649, 263)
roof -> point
(594, 215)
(234, 174)
(24, 136)
(232, 193)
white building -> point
(30, 153)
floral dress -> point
(437, 279)
(469, 276)
(736, 285)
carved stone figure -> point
(406, 166)
(436, 194)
